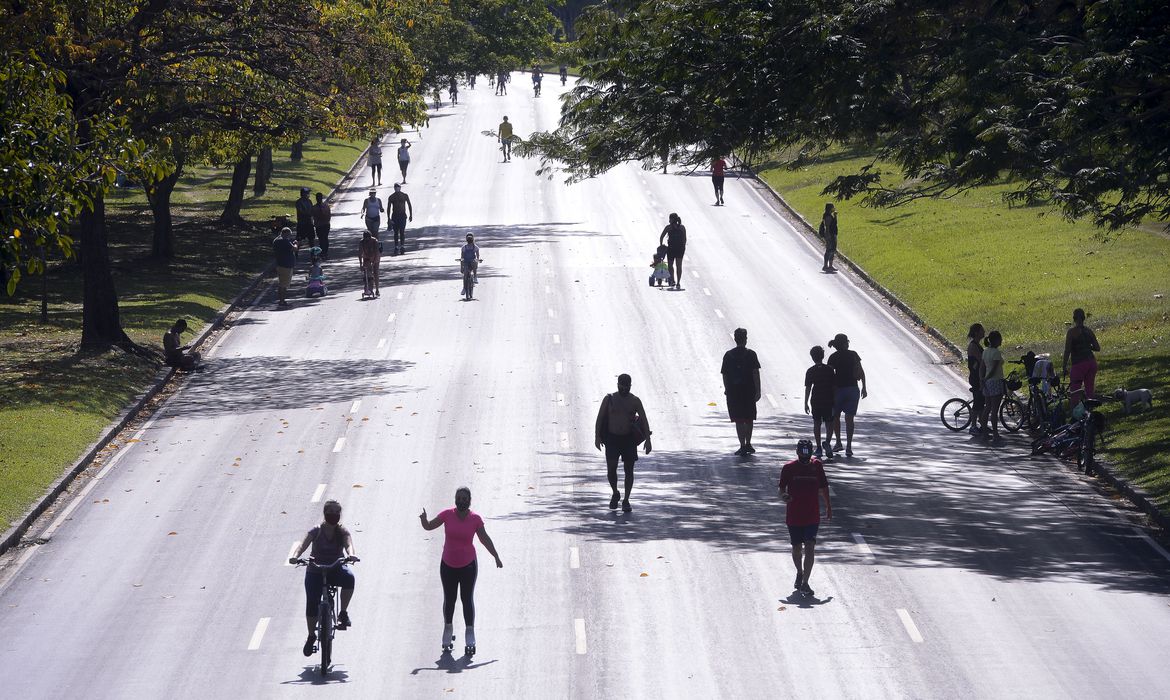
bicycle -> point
(1076, 439)
(1012, 413)
(956, 414)
(326, 610)
(470, 272)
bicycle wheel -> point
(956, 414)
(1085, 454)
(1012, 414)
(325, 623)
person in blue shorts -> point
(847, 366)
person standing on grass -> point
(1079, 345)
(741, 386)
(321, 217)
(404, 157)
(621, 422)
(975, 373)
(717, 167)
(820, 384)
(828, 232)
(304, 208)
(848, 372)
(992, 383)
(375, 160)
(675, 235)
(285, 250)
(801, 482)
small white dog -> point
(1137, 397)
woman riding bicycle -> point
(469, 263)
(330, 541)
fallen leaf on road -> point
(712, 403)
(643, 575)
(781, 608)
(138, 585)
(172, 532)
(358, 486)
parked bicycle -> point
(1076, 439)
(957, 415)
(326, 609)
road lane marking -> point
(547, 289)
(560, 399)
(292, 552)
(772, 400)
(694, 272)
(574, 558)
(911, 628)
(861, 545)
(552, 314)
(339, 444)
(1150, 541)
(718, 313)
(258, 635)
(706, 291)
(381, 343)
(560, 368)
(356, 405)
(556, 339)
(318, 493)
(390, 318)
(400, 295)
(579, 628)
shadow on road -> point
(311, 675)
(449, 663)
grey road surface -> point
(951, 569)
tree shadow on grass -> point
(89, 381)
(922, 496)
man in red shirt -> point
(717, 167)
(801, 480)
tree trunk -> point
(44, 288)
(298, 151)
(235, 202)
(101, 323)
(159, 195)
(263, 171)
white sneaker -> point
(448, 636)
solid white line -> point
(356, 405)
(556, 339)
(318, 493)
(911, 628)
(390, 318)
(258, 635)
(574, 558)
(771, 400)
(560, 368)
(291, 551)
(706, 291)
(718, 313)
(1150, 541)
(381, 343)
(339, 444)
(861, 545)
(579, 627)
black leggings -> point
(453, 579)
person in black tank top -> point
(675, 235)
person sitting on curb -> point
(175, 353)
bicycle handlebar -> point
(313, 562)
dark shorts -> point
(845, 400)
(803, 533)
(718, 180)
(741, 409)
(821, 412)
(341, 577)
(618, 446)
(403, 165)
(398, 222)
(675, 251)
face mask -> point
(333, 518)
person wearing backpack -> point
(741, 385)
(847, 365)
(621, 426)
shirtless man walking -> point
(621, 426)
(399, 206)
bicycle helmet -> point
(804, 448)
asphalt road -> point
(951, 569)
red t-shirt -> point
(804, 482)
(458, 548)
(717, 167)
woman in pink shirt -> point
(458, 568)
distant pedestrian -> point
(828, 231)
(820, 384)
(675, 235)
(502, 83)
(370, 260)
(401, 211)
(993, 388)
(372, 209)
(802, 485)
(717, 167)
(375, 161)
(537, 79)
(621, 426)
(285, 250)
(404, 157)
(741, 386)
(1079, 345)
(321, 218)
(505, 138)
(304, 208)
(454, 90)
(847, 372)
(175, 353)
(975, 373)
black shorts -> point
(822, 411)
(803, 533)
(718, 180)
(620, 446)
(675, 251)
(741, 409)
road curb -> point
(14, 534)
(1132, 493)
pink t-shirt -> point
(458, 548)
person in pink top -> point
(458, 569)
(717, 167)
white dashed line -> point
(556, 339)
(381, 343)
(318, 493)
(718, 313)
(1150, 541)
(579, 627)
(400, 295)
(574, 558)
(911, 628)
(552, 314)
(547, 289)
(390, 318)
(339, 444)
(560, 368)
(706, 291)
(356, 405)
(861, 545)
(772, 400)
(258, 635)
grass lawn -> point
(54, 400)
(1023, 271)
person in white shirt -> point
(373, 209)
(404, 158)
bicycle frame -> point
(326, 610)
